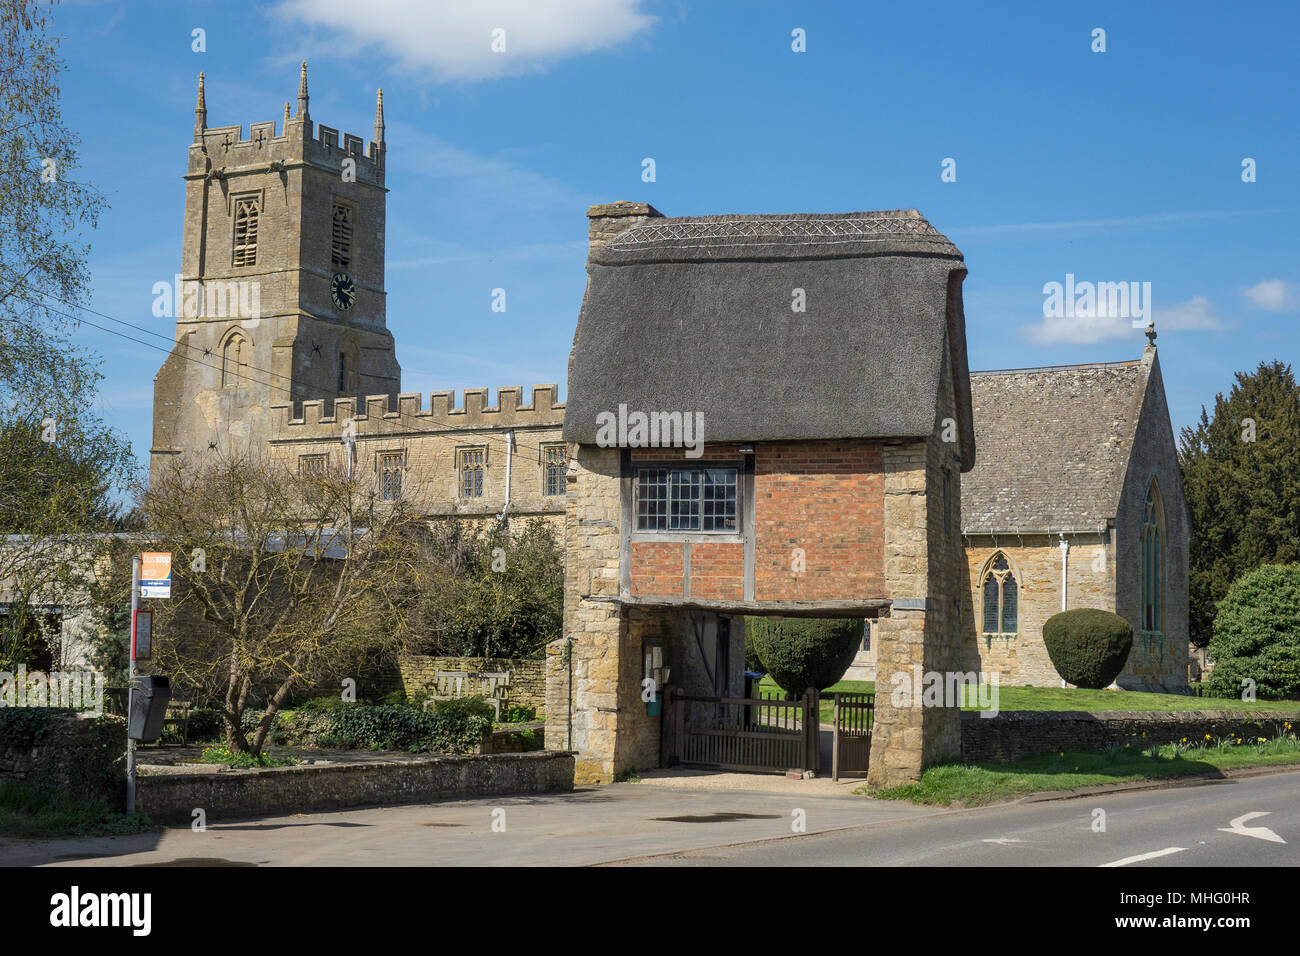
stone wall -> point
(1159, 659)
(527, 677)
(1014, 734)
(281, 790)
(64, 753)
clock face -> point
(343, 291)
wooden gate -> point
(766, 734)
(851, 744)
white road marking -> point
(1146, 856)
(1003, 841)
(1259, 833)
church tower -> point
(281, 292)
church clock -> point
(343, 291)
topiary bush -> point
(803, 652)
(1256, 634)
(1088, 646)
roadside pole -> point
(130, 693)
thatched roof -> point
(1054, 446)
(694, 315)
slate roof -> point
(694, 315)
(1054, 445)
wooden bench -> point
(493, 685)
(177, 721)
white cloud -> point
(1196, 314)
(453, 41)
(1272, 295)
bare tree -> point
(280, 581)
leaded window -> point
(1001, 598)
(1151, 560)
(390, 476)
(553, 466)
(472, 461)
(686, 499)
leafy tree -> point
(489, 591)
(1241, 479)
(1257, 634)
(61, 468)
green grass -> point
(35, 814)
(1069, 698)
(219, 753)
(977, 784)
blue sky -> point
(1123, 165)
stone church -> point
(955, 510)
(1075, 501)
(292, 221)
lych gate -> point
(822, 480)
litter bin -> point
(150, 695)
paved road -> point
(635, 824)
(588, 826)
(1173, 827)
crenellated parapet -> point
(375, 415)
(221, 151)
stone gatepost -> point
(582, 668)
(920, 635)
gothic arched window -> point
(1001, 598)
(234, 362)
(1152, 578)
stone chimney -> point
(607, 220)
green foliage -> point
(491, 592)
(1243, 496)
(1257, 634)
(805, 652)
(321, 705)
(242, 759)
(205, 724)
(518, 715)
(27, 813)
(1088, 646)
(462, 708)
(20, 727)
(753, 662)
(385, 727)
(94, 761)
(60, 465)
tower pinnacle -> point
(302, 93)
(200, 113)
(379, 117)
